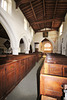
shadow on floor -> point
(38, 81)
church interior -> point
(33, 49)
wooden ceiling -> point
(43, 13)
(3, 33)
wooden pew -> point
(53, 75)
(54, 69)
(13, 70)
(51, 85)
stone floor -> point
(27, 88)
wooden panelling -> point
(53, 76)
(56, 69)
(10, 80)
(51, 85)
(65, 71)
(12, 72)
(2, 81)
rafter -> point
(48, 20)
(54, 12)
(55, 8)
(33, 10)
(19, 2)
(44, 7)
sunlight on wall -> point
(61, 30)
(25, 24)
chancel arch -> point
(46, 46)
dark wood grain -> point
(13, 69)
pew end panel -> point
(51, 85)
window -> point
(25, 24)
(61, 29)
(47, 47)
(7, 5)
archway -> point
(4, 41)
(21, 46)
(8, 27)
(46, 46)
(30, 49)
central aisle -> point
(27, 88)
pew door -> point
(10, 76)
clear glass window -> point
(7, 5)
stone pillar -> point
(26, 51)
(15, 51)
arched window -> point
(47, 47)
(7, 5)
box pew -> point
(51, 85)
(53, 76)
(54, 69)
(57, 60)
(13, 70)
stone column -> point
(26, 51)
(15, 51)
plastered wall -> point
(52, 36)
(61, 42)
(14, 25)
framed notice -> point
(45, 34)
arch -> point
(9, 30)
(21, 46)
(46, 48)
(26, 42)
(49, 40)
(30, 49)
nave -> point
(28, 30)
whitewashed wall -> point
(52, 36)
(14, 26)
(62, 46)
